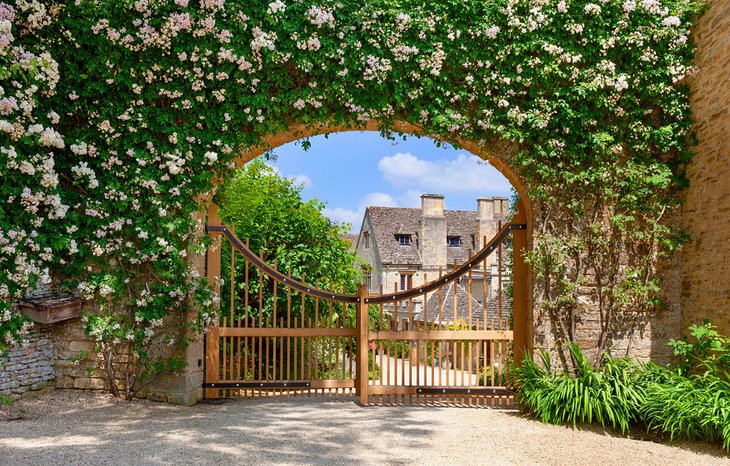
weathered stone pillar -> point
(186, 388)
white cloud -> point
(303, 180)
(300, 179)
(377, 199)
(354, 217)
(463, 174)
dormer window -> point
(403, 240)
(453, 241)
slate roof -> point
(387, 222)
(460, 223)
(462, 307)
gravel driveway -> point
(80, 428)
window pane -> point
(403, 240)
(406, 281)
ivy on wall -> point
(115, 116)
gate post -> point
(363, 321)
(522, 327)
(212, 336)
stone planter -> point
(48, 308)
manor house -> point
(404, 248)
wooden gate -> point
(434, 344)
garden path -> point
(397, 371)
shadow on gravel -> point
(78, 428)
(246, 431)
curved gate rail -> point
(435, 343)
(277, 335)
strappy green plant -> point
(690, 399)
(608, 395)
(693, 399)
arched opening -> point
(521, 328)
(498, 157)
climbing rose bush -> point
(29, 183)
(117, 119)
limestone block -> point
(39, 385)
(82, 345)
(65, 382)
(189, 398)
(87, 383)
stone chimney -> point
(489, 211)
(432, 232)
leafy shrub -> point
(690, 399)
(609, 395)
(711, 351)
(693, 400)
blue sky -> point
(352, 170)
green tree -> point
(283, 229)
(269, 211)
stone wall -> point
(75, 357)
(706, 214)
(697, 282)
(78, 366)
(29, 367)
(62, 355)
(57, 354)
(643, 336)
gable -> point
(386, 223)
